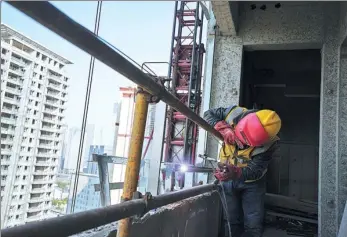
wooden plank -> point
(290, 203)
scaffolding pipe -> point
(52, 18)
(134, 155)
(78, 222)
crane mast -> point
(185, 71)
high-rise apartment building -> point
(33, 102)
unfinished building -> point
(290, 57)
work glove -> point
(228, 134)
(226, 172)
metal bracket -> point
(152, 99)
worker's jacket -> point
(253, 160)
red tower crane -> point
(185, 70)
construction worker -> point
(250, 138)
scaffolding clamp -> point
(152, 99)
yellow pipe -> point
(134, 156)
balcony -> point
(38, 208)
(35, 217)
(6, 141)
(44, 172)
(52, 102)
(12, 101)
(49, 129)
(41, 190)
(8, 131)
(47, 137)
(49, 119)
(11, 121)
(5, 162)
(9, 110)
(56, 78)
(22, 53)
(52, 111)
(18, 61)
(54, 86)
(6, 151)
(16, 81)
(47, 146)
(14, 91)
(4, 172)
(54, 94)
(16, 71)
(42, 181)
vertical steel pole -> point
(105, 195)
(134, 158)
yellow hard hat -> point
(270, 121)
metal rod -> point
(134, 157)
(164, 199)
(105, 195)
(75, 223)
(78, 222)
(55, 20)
(193, 76)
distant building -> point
(72, 146)
(86, 197)
(34, 89)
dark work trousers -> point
(245, 204)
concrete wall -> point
(197, 216)
(296, 25)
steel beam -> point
(52, 18)
(78, 222)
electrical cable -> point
(86, 108)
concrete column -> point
(328, 141)
(342, 136)
(225, 88)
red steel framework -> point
(185, 70)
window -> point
(39, 85)
(36, 103)
(37, 94)
(32, 130)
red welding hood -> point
(250, 131)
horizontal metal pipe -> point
(78, 222)
(55, 20)
(167, 198)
